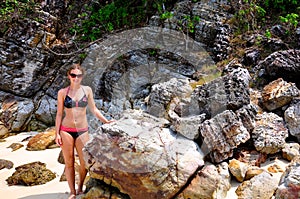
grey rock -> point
(292, 119)
(221, 135)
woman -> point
(72, 125)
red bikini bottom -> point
(74, 132)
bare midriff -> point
(75, 118)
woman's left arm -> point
(94, 109)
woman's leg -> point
(68, 153)
(79, 144)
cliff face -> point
(123, 66)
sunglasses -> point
(74, 75)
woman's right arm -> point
(59, 115)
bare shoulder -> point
(87, 89)
(62, 92)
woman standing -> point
(72, 125)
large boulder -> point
(140, 157)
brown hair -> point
(75, 66)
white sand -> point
(53, 189)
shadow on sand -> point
(48, 196)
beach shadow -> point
(47, 196)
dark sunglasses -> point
(74, 75)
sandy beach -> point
(53, 189)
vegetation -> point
(97, 18)
(253, 14)
(119, 14)
(12, 10)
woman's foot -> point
(79, 192)
(72, 196)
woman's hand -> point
(58, 140)
(110, 121)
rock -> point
(14, 113)
(269, 133)
(290, 150)
(275, 168)
(15, 146)
(289, 185)
(251, 57)
(98, 189)
(253, 171)
(256, 99)
(186, 126)
(46, 111)
(221, 135)
(6, 164)
(210, 182)
(30, 174)
(280, 64)
(229, 92)
(247, 115)
(42, 141)
(3, 130)
(251, 157)
(262, 186)
(60, 158)
(292, 119)
(238, 169)
(278, 93)
(162, 94)
(140, 157)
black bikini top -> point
(70, 103)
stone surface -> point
(15, 146)
(238, 169)
(229, 92)
(289, 185)
(269, 133)
(6, 164)
(42, 140)
(290, 150)
(278, 93)
(280, 64)
(221, 135)
(140, 157)
(292, 119)
(251, 157)
(31, 174)
(253, 171)
(262, 186)
(210, 182)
